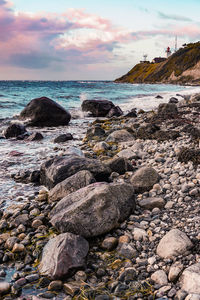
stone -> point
(160, 277)
(173, 100)
(62, 255)
(193, 297)
(109, 243)
(71, 288)
(10, 242)
(4, 287)
(70, 185)
(106, 205)
(127, 251)
(81, 276)
(36, 223)
(180, 295)
(128, 275)
(35, 136)
(14, 130)
(32, 277)
(114, 112)
(45, 112)
(173, 244)
(63, 138)
(139, 234)
(151, 203)
(101, 147)
(55, 285)
(144, 179)
(58, 169)
(21, 219)
(97, 108)
(190, 279)
(131, 114)
(119, 164)
(174, 271)
(118, 136)
(17, 248)
(167, 109)
(95, 131)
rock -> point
(21, 219)
(95, 131)
(128, 275)
(58, 169)
(127, 251)
(71, 288)
(114, 112)
(14, 130)
(55, 285)
(10, 242)
(62, 255)
(63, 138)
(105, 204)
(32, 277)
(17, 248)
(131, 114)
(97, 108)
(81, 276)
(190, 279)
(36, 223)
(193, 297)
(160, 277)
(45, 112)
(180, 295)
(144, 179)
(70, 185)
(175, 271)
(151, 203)
(127, 153)
(109, 243)
(173, 244)
(119, 136)
(4, 287)
(101, 147)
(173, 100)
(36, 136)
(139, 234)
(167, 109)
(119, 164)
(159, 97)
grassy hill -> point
(183, 67)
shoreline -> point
(133, 244)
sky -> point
(88, 39)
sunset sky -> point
(88, 39)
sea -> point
(20, 156)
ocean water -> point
(14, 95)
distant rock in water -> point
(182, 67)
(101, 108)
(45, 112)
(14, 130)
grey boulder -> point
(190, 279)
(144, 179)
(70, 185)
(59, 168)
(62, 255)
(94, 210)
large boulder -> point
(45, 112)
(167, 109)
(115, 112)
(190, 279)
(62, 255)
(70, 185)
(144, 179)
(14, 130)
(173, 244)
(118, 136)
(97, 108)
(119, 164)
(94, 210)
(59, 168)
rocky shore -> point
(118, 218)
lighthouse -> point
(168, 52)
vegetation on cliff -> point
(182, 67)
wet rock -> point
(59, 168)
(45, 112)
(63, 138)
(55, 285)
(62, 255)
(32, 277)
(174, 243)
(119, 136)
(114, 112)
(151, 203)
(14, 130)
(144, 179)
(70, 185)
(190, 279)
(131, 114)
(97, 108)
(35, 136)
(106, 204)
(119, 164)
(167, 109)
(173, 100)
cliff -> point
(183, 67)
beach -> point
(123, 262)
